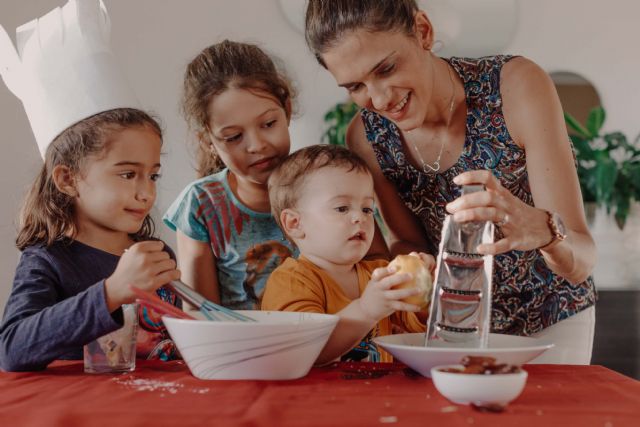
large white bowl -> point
(279, 346)
(410, 349)
(479, 389)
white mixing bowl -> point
(279, 346)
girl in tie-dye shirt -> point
(239, 106)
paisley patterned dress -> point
(527, 295)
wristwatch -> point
(557, 228)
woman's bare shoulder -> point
(521, 76)
(529, 99)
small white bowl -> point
(478, 389)
(279, 346)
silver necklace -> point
(435, 166)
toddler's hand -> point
(144, 265)
(429, 260)
(379, 300)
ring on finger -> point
(503, 221)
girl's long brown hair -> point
(219, 67)
(47, 215)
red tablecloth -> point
(347, 394)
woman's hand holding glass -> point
(523, 227)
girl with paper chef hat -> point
(85, 231)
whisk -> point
(153, 301)
(209, 309)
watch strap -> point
(556, 235)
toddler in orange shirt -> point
(323, 199)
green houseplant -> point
(608, 165)
(337, 120)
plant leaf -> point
(575, 125)
(583, 149)
(330, 115)
(606, 172)
(595, 120)
(337, 120)
(341, 135)
(623, 206)
(633, 172)
(617, 139)
(587, 184)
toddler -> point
(322, 196)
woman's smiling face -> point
(386, 72)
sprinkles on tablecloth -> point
(142, 384)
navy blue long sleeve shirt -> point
(57, 304)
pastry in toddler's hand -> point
(421, 278)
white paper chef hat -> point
(64, 70)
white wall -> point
(597, 39)
(156, 38)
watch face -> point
(561, 230)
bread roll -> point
(421, 278)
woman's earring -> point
(437, 46)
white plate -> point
(410, 349)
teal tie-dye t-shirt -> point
(247, 245)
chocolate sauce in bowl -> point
(479, 365)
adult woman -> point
(429, 125)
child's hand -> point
(429, 260)
(144, 265)
(379, 300)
